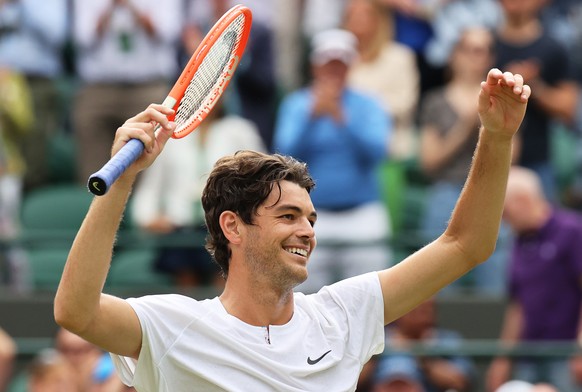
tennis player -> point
(259, 335)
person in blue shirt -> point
(342, 135)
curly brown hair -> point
(241, 183)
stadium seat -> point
(50, 218)
(132, 269)
(58, 207)
(46, 267)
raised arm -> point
(472, 231)
(80, 306)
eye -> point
(288, 216)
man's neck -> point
(256, 304)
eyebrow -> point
(292, 207)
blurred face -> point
(473, 55)
(75, 349)
(418, 320)
(516, 211)
(333, 72)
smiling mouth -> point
(297, 251)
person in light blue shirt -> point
(33, 34)
(342, 135)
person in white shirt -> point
(166, 199)
(259, 335)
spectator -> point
(342, 135)
(563, 21)
(523, 46)
(255, 80)
(545, 288)
(8, 352)
(16, 116)
(449, 129)
(167, 198)
(51, 372)
(32, 37)
(451, 19)
(126, 58)
(413, 27)
(385, 69)
(92, 369)
(422, 374)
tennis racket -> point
(202, 82)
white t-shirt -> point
(191, 345)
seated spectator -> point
(51, 372)
(398, 374)
(92, 369)
(422, 374)
(545, 285)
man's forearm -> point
(78, 296)
(476, 219)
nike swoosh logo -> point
(314, 361)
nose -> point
(306, 229)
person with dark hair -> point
(258, 334)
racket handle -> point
(100, 182)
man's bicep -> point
(420, 276)
(116, 328)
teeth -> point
(298, 251)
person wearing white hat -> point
(341, 134)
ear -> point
(230, 225)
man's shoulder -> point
(172, 302)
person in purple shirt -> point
(342, 135)
(545, 284)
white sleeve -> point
(357, 304)
(162, 319)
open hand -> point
(502, 102)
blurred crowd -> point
(378, 97)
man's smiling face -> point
(281, 239)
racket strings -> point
(208, 81)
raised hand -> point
(502, 102)
(142, 127)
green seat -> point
(62, 159)
(58, 207)
(50, 218)
(564, 156)
(403, 188)
(46, 267)
(133, 269)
